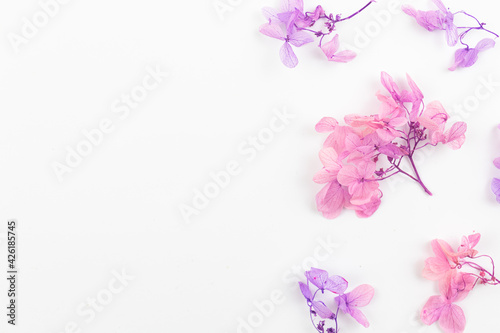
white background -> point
(119, 209)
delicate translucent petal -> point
(322, 310)
(484, 44)
(360, 296)
(455, 136)
(359, 316)
(270, 13)
(470, 58)
(317, 277)
(409, 10)
(440, 5)
(344, 56)
(304, 288)
(331, 200)
(435, 268)
(459, 58)
(348, 175)
(452, 34)
(336, 284)
(331, 47)
(495, 187)
(325, 176)
(288, 57)
(329, 158)
(326, 124)
(432, 309)
(273, 30)
(300, 38)
(368, 209)
(417, 93)
(452, 319)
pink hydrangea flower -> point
(454, 284)
(357, 156)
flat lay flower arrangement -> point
(457, 273)
(369, 149)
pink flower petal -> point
(452, 319)
(496, 162)
(432, 309)
(359, 316)
(331, 47)
(326, 124)
(344, 56)
(455, 136)
(360, 296)
(330, 200)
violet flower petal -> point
(300, 38)
(495, 187)
(304, 288)
(273, 30)
(288, 57)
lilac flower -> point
(443, 19)
(295, 27)
(448, 25)
(467, 57)
(290, 36)
(348, 303)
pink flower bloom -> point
(360, 181)
(352, 152)
(330, 49)
(350, 302)
(454, 284)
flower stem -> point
(418, 180)
(359, 11)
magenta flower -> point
(454, 285)
(467, 57)
(296, 28)
(357, 156)
(348, 303)
(443, 19)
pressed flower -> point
(347, 303)
(294, 26)
(454, 284)
(443, 19)
(358, 156)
